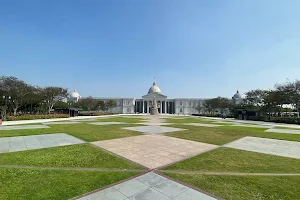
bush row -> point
(30, 117)
(287, 120)
(212, 115)
(94, 113)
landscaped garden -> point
(68, 171)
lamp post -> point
(6, 99)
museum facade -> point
(171, 106)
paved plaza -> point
(154, 129)
(107, 123)
(281, 130)
(20, 127)
(23, 143)
(268, 146)
(150, 186)
(201, 124)
(153, 151)
(155, 123)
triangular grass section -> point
(44, 184)
(233, 160)
(82, 155)
(244, 187)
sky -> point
(114, 48)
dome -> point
(75, 94)
(237, 95)
(154, 89)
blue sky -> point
(194, 48)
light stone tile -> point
(268, 146)
(107, 194)
(22, 127)
(62, 123)
(201, 124)
(191, 194)
(131, 187)
(153, 129)
(149, 194)
(278, 130)
(106, 123)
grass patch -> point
(53, 184)
(83, 155)
(225, 134)
(83, 131)
(231, 160)
(245, 187)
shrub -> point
(30, 117)
(287, 120)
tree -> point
(53, 94)
(111, 104)
(18, 90)
(199, 108)
(88, 103)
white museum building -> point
(165, 105)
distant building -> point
(74, 96)
(165, 105)
(237, 98)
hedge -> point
(287, 120)
(30, 117)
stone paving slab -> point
(155, 124)
(201, 124)
(150, 186)
(66, 122)
(279, 130)
(252, 125)
(153, 151)
(20, 127)
(23, 143)
(268, 146)
(107, 123)
(153, 129)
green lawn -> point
(225, 134)
(245, 187)
(83, 155)
(47, 184)
(83, 131)
(232, 160)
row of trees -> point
(88, 104)
(283, 97)
(17, 95)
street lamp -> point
(6, 99)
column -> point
(143, 111)
(165, 106)
(160, 110)
(147, 106)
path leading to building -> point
(150, 186)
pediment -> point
(152, 95)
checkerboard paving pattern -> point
(268, 146)
(153, 151)
(150, 186)
(23, 143)
(153, 129)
